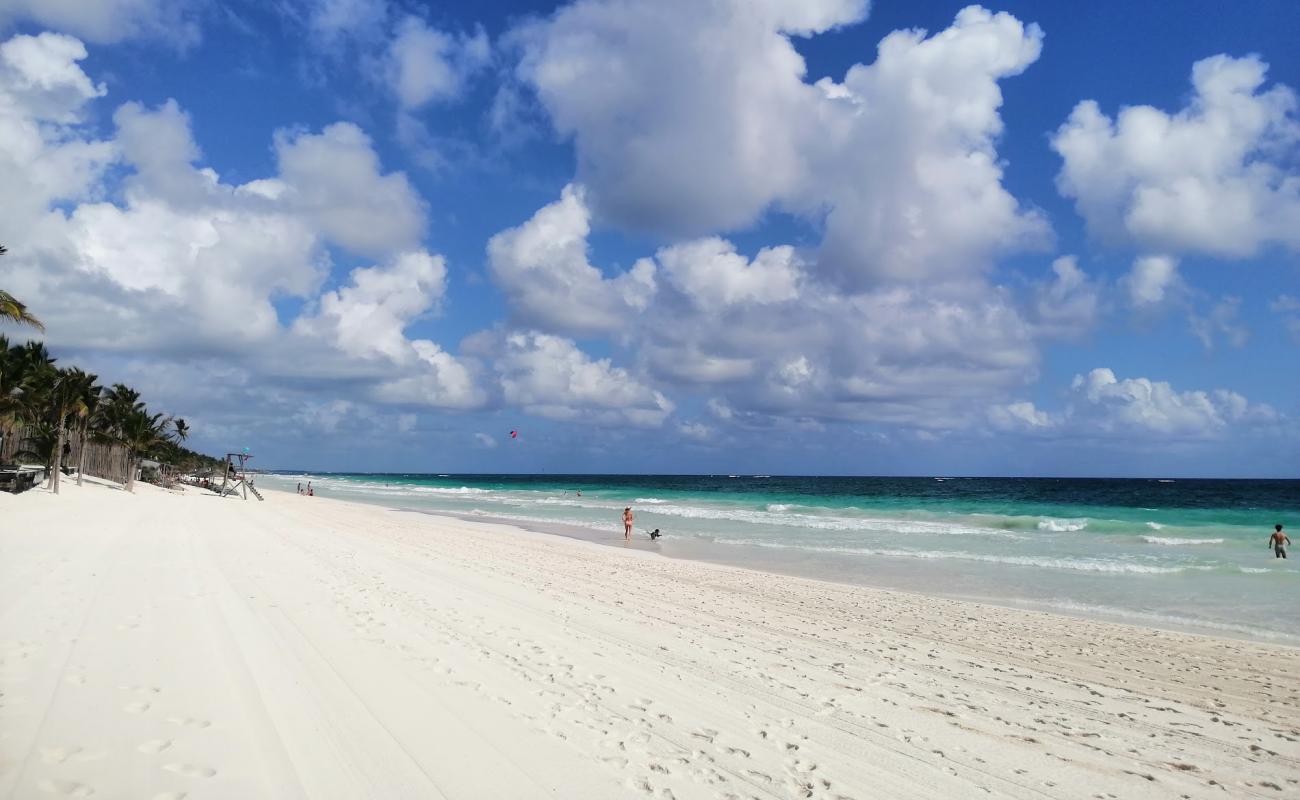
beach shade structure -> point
(237, 478)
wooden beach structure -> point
(97, 459)
(238, 480)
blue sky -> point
(672, 236)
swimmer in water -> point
(1279, 542)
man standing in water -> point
(1275, 541)
(627, 524)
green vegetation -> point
(51, 409)
(13, 310)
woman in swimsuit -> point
(627, 524)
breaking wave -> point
(1075, 564)
(1062, 525)
(1176, 540)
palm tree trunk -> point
(58, 459)
(81, 457)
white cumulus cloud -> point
(688, 133)
(1217, 177)
(711, 273)
(551, 377)
(1106, 404)
(1021, 417)
(366, 318)
(334, 179)
(693, 134)
(108, 21)
(1069, 304)
(130, 245)
(426, 65)
(909, 169)
(1101, 405)
(542, 268)
(1151, 281)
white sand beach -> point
(178, 645)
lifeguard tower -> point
(236, 478)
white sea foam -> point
(651, 501)
(777, 508)
(442, 490)
(1176, 540)
(572, 501)
(1254, 570)
(1075, 564)
(1155, 526)
(1062, 525)
(832, 523)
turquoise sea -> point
(1185, 554)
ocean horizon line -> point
(946, 476)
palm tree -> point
(118, 405)
(11, 309)
(11, 382)
(65, 399)
(32, 374)
(48, 406)
(141, 434)
(38, 443)
(89, 417)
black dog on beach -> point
(654, 534)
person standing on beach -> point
(1276, 542)
(627, 524)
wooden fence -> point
(108, 461)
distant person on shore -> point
(1279, 541)
(299, 487)
(627, 524)
(309, 492)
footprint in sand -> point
(154, 746)
(136, 708)
(189, 722)
(66, 788)
(190, 770)
(61, 755)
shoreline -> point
(316, 647)
(774, 568)
(1186, 571)
(762, 560)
